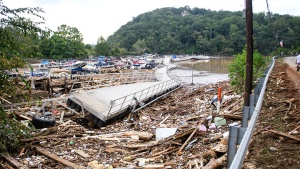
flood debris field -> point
(178, 131)
(181, 130)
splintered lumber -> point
(164, 120)
(83, 154)
(165, 152)
(285, 135)
(25, 117)
(190, 137)
(50, 136)
(149, 144)
(14, 162)
(56, 158)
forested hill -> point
(199, 31)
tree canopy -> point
(199, 31)
(66, 42)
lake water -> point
(212, 66)
(202, 72)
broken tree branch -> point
(285, 135)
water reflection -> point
(219, 66)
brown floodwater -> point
(219, 66)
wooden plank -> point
(154, 166)
(50, 136)
(56, 158)
(14, 162)
(83, 154)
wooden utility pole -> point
(249, 60)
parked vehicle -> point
(150, 65)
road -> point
(292, 72)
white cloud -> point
(95, 18)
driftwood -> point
(232, 105)
(216, 163)
(233, 117)
(285, 135)
(47, 132)
(164, 120)
(21, 152)
(211, 140)
(50, 136)
(165, 152)
(56, 158)
(14, 162)
(191, 136)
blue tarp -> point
(45, 62)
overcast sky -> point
(95, 18)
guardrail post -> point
(259, 86)
(253, 99)
(236, 135)
(247, 114)
(232, 140)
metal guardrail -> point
(122, 103)
(109, 79)
(239, 157)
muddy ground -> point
(131, 142)
(280, 112)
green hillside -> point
(200, 31)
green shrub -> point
(237, 69)
(11, 131)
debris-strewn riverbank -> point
(193, 135)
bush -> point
(237, 69)
(11, 131)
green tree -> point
(66, 42)
(18, 37)
(139, 47)
(102, 48)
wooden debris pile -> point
(178, 131)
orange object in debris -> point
(219, 93)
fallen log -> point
(58, 159)
(285, 135)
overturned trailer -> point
(104, 105)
